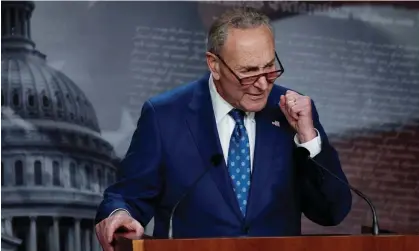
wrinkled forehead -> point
(253, 46)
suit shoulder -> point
(175, 96)
(276, 93)
(278, 90)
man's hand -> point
(105, 229)
(297, 110)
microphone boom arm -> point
(215, 160)
(375, 227)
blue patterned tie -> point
(239, 159)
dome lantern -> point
(16, 31)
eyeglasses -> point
(250, 80)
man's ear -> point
(213, 65)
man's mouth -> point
(256, 96)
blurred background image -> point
(75, 74)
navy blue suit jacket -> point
(173, 144)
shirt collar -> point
(220, 106)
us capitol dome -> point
(54, 162)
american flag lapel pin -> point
(276, 123)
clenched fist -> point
(105, 229)
(297, 110)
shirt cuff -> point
(119, 209)
(314, 146)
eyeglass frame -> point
(281, 71)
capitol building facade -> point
(54, 162)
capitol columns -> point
(87, 239)
(8, 226)
(56, 233)
(33, 245)
(77, 234)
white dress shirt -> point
(225, 126)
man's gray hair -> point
(237, 18)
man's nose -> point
(262, 83)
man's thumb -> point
(282, 106)
(135, 227)
(282, 102)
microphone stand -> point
(375, 227)
(215, 160)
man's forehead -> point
(241, 59)
(235, 36)
(249, 49)
(255, 65)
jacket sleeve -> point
(324, 199)
(139, 179)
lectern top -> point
(304, 243)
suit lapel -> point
(266, 145)
(202, 125)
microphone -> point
(215, 161)
(305, 154)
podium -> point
(303, 243)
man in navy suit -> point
(259, 188)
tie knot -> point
(237, 115)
